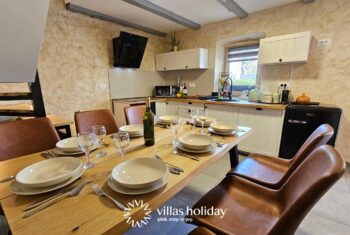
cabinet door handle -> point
(297, 121)
(186, 66)
(280, 60)
(259, 109)
(164, 68)
(189, 102)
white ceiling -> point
(199, 11)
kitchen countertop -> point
(242, 103)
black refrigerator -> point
(301, 120)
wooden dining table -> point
(88, 213)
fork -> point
(100, 192)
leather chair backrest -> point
(134, 114)
(318, 138)
(308, 183)
(23, 137)
(85, 120)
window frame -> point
(243, 44)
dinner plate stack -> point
(138, 176)
(223, 128)
(196, 143)
(167, 119)
(134, 130)
(46, 176)
(69, 147)
(207, 121)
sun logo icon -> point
(146, 213)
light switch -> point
(102, 86)
(192, 84)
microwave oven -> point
(165, 91)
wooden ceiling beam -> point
(158, 10)
(98, 15)
(232, 6)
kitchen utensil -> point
(223, 127)
(68, 145)
(21, 189)
(86, 142)
(100, 133)
(211, 130)
(181, 147)
(38, 203)
(74, 192)
(49, 172)
(100, 192)
(139, 172)
(196, 141)
(120, 189)
(122, 142)
(171, 165)
(7, 178)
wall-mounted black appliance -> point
(165, 91)
(128, 50)
(301, 120)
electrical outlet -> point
(102, 86)
(192, 84)
(326, 42)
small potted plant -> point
(174, 42)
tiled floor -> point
(330, 216)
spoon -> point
(7, 179)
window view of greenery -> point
(242, 63)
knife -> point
(74, 192)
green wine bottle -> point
(148, 124)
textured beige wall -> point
(75, 57)
(325, 78)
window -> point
(242, 62)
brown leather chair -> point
(85, 120)
(134, 114)
(255, 209)
(272, 172)
(23, 137)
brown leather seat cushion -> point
(201, 231)
(23, 137)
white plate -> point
(224, 127)
(168, 119)
(196, 141)
(63, 153)
(139, 172)
(68, 145)
(120, 189)
(211, 148)
(132, 129)
(20, 189)
(211, 130)
(49, 172)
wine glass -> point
(175, 126)
(121, 141)
(202, 116)
(194, 116)
(100, 132)
(86, 141)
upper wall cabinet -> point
(182, 60)
(291, 48)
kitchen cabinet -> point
(267, 128)
(290, 48)
(223, 113)
(182, 60)
(161, 109)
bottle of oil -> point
(148, 124)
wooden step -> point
(16, 96)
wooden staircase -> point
(34, 95)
